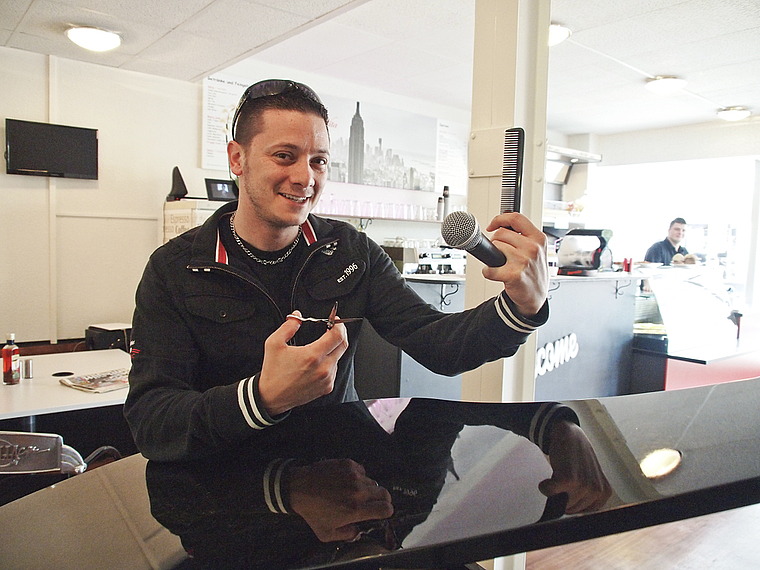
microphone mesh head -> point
(461, 230)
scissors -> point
(331, 321)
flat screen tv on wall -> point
(45, 149)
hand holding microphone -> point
(461, 230)
(526, 276)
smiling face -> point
(281, 173)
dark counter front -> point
(385, 371)
(585, 349)
(464, 485)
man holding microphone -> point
(219, 354)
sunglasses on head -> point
(269, 88)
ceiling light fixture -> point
(558, 34)
(93, 39)
(733, 113)
(665, 85)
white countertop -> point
(435, 277)
(600, 276)
(44, 394)
(459, 278)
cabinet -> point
(182, 215)
(384, 371)
(585, 348)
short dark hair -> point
(677, 221)
(281, 94)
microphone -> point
(461, 230)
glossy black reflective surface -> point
(464, 486)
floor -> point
(721, 541)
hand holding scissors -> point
(294, 375)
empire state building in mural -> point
(404, 152)
(356, 149)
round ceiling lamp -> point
(733, 113)
(93, 39)
(664, 85)
(558, 34)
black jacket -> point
(201, 320)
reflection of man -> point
(663, 251)
(373, 487)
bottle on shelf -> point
(439, 212)
(11, 361)
(446, 209)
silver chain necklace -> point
(280, 259)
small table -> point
(44, 394)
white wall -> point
(716, 139)
(74, 250)
(101, 232)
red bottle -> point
(11, 361)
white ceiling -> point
(423, 49)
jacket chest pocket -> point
(222, 325)
(220, 309)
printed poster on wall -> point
(370, 144)
(220, 98)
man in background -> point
(663, 251)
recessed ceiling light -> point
(664, 85)
(558, 34)
(93, 39)
(733, 113)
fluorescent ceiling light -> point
(733, 113)
(558, 34)
(664, 85)
(93, 39)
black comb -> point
(511, 173)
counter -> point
(383, 370)
(697, 337)
(585, 348)
(464, 487)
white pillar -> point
(509, 89)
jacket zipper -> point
(303, 266)
(198, 268)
